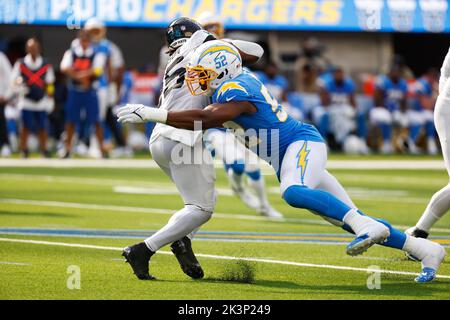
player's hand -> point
(131, 113)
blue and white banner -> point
(330, 15)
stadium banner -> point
(327, 15)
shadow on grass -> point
(404, 288)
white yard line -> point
(126, 209)
(211, 256)
(15, 263)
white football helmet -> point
(211, 64)
(96, 29)
(212, 23)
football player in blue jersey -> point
(339, 114)
(109, 83)
(420, 115)
(390, 101)
(296, 150)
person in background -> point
(5, 92)
(83, 65)
(111, 80)
(390, 105)
(421, 113)
(33, 79)
(275, 82)
(338, 114)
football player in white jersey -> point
(169, 147)
(440, 202)
(237, 159)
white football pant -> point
(440, 202)
(192, 171)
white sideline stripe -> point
(149, 163)
(212, 256)
(15, 263)
(162, 188)
(129, 209)
(170, 212)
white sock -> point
(438, 206)
(184, 222)
(430, 253)
(415, 246)
(356, 221)
(260, 191)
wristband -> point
(155, 115)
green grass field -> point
(88, 206)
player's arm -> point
(212, 116)
(250, 52)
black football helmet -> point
(179, 31)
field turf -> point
(43, 210)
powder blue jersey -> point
(105, 48)
(422, 87)
(270, 130)
(394, 93)
(276, 85)
(339, 93)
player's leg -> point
(416, 121)
(430, 132)
(41, 120)
(73, 104)
(227, 148)
(195, 182)
(27, 125)
(382, 118)
(256, 182)
(302, 170)
(440, 202)
(428, 252)
(93, 118)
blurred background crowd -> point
(60, 89)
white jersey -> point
(175, 94)
(445, 72)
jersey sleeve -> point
(117, 60)
(66, 62)
(231, 91)
(50, 76)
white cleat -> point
(435, 254)
(270, 213)
(413, 148)
(5, 151)
(238, 188)
(386, 148)
(250, 200)
(374, 233)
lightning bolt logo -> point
(230, 86)
(302, 159)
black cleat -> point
(417, 233)
(138, 256)
(182, 250)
